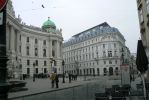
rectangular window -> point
(115, 53)
(115, 61)
(103, 45)
(27, 50)
(36, 70)
(27, 40)
(104, 62)
(20, 37)
(44, 42)
(36, 62)
(110, 62)
(104, 54)
(44, 52)
(20, 48)
(45, 63)
(28, 62)
(36, 41)
(109, 53)
(114, 45)
(36, 52)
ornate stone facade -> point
(96, 51)
(32, 50)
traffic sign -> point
(3, 4)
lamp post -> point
(34, 72)
(63, 63)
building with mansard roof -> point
(30, 49)
(96, 51)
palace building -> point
(30, 49)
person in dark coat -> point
(69, 78)
(56, 81)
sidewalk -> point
(43, 85)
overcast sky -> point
(75, 16)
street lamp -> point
(34, 72)
(63, 63)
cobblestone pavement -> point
(43, 85)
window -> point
(114, 45)
(44, 52)
(44, 42)
(36, 41)
(147, 5)
(115, 61)
(141, 15)
(20, 48)
(45, 63)
(27, 50)
(20, 37)
(27, 40)
(28, 62)
(36, 70)
(36, 52)
(104, 54)
(36, 62)
(109, 46)
(115, 53)
(110, 62)
(109, 53)
(104, 62)
(103, 45)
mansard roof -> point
(92, 32)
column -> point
(16, 41)
(12, 38)
(58, 49)
(50, 48)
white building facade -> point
(32, 50)
(95, 51)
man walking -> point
(56, 80)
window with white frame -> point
(109, 53)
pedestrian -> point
(52, 79)
(56, 80)
(69, 78)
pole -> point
(63, 63)
(143, 83)
(4, 86)
(33, 72)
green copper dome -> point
(48, 24)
